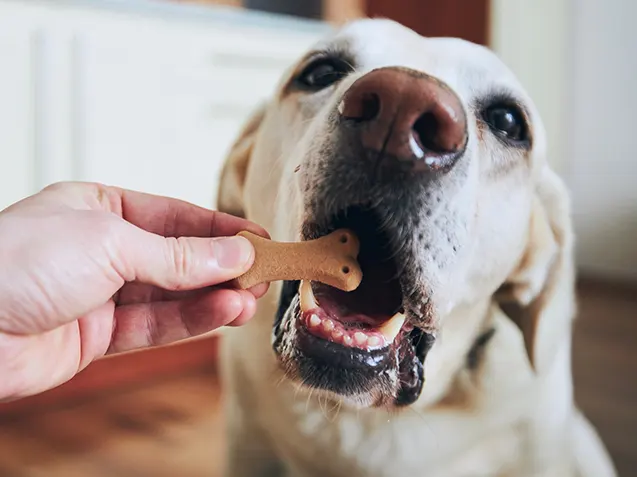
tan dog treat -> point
(330, 259)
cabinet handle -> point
(221, 110)
(247, 61)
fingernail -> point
(232, 252)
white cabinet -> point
(158, 109)
(141, 101)
(17, 132)
(122, 113)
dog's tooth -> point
(314, 321)
(337, 334)
(391, 328)
(306, 296)
(360, 338)
(373, 341)
(347, 340)
(328, 325)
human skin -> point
(89, 270)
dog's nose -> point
(409, 116)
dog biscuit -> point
(330, 260)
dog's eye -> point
(323, 73)
(507, 122)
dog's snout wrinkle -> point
(414, 120)
(380, 156)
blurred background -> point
(148, 94)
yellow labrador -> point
(452, 359)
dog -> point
(452, 358)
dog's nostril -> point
(427, 132)
(343, 238)
(345, 270)
(362, 108)
(370, 107)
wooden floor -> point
(605, 368)
(172, 428)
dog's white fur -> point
(515, 416)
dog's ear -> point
(539, 295)
(235, 168)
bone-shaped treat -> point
(330, 259)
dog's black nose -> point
(407, 115)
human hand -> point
(88, 270)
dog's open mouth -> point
(359, 343)
(371, 317)
(340, 319)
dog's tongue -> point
(324, 315)
(349, 309)
(375, 301)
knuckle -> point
(73, 187)
(62, 185)
(180, 260)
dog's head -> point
(432, 153)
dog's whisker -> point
(334, 410)
(298, 388)
(280, 381)
(427, 425)
(321, 406)
(309, 398)
(340, 407)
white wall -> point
(603, 150)
(532, 38)
(578, 59)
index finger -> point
(170, 217)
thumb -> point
(188, 263)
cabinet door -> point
(160, 104)
(17, 138)
(218, 78)
(203, 131)
(143, 128)
(122, 115)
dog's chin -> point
(358, 347)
